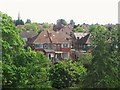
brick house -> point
(55, 45)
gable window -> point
(38, 45)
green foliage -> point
(61, 21)
(0, 72)
(10, 36)
(66, 74)
(104, 67)
(97, 28)
(19, 22)
(118, 28)
(28, 21)
(78, 29)
(46, 25)
(21, 68)
(32, 26)
(11, 44)
(32, 70)
(85, 59)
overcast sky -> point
(81, 11)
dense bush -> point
(66, 74)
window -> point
(65, 45)
(38, 45)
(50, 56)
(45, 46)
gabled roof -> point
(66, 29)
(80, 35)
(48, 36)
(82, 38)
(28, 34)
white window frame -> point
(65, 45)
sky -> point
(81, 11)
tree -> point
(28, 21)
(19, 22)
(11, 44)
(46, 25)
(85, 59)
(78, 29)
(32, 70)
(118, 28)
(61, 21)
(32, 26)
(72, 23)
(97, 28)
(66, 74)
(103, 72)
(21, 68)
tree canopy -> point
(28, 21)
(78, 29)
(72, 23)
(103, 72)
(66, 74)
(61, 21)
(21, 68)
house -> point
(69, 31)
(27, 36)
(82, 41)
(55, 45)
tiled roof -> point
(28, 34)
(48, 36)
(66, 29)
